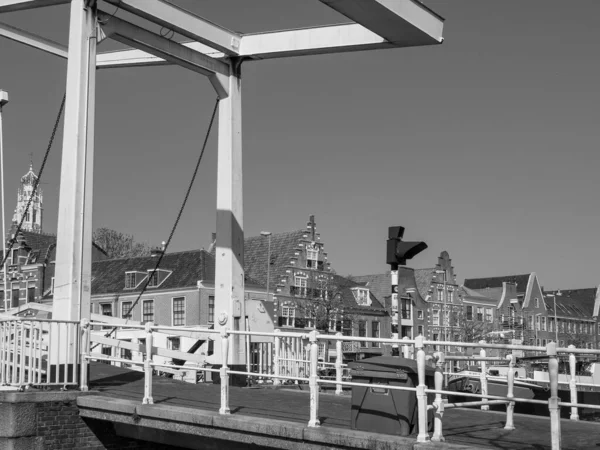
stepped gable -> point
(187, 268)
(496, 282)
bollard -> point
(405, 348)
(148, 400)
(338, 364)
(438, 403)
(276, 366)
(314, 385)
(224, 373)
(553, 401)
(573, 383)
(423, 435)
(510, 382)
(85, 350)
(483, 378)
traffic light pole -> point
(395, 309)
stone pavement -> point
(468, 427)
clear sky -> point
(485, 146)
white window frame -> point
(173, 310)
(122, 315)
(128, 276)
(301, 289)
(376, 344)
(148, 300)
(312, 255)
(489, 313)
(111, 309)
(435, 317)
(289, 312)
(537, 302)
(361, 295)
(419, 314)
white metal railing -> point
(415, 347)
(39, 353)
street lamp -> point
(3, 101)
(268, 234)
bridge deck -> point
(461, 426)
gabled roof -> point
(470, 294)
(577, 303)
(496, 282)
(187, 269)
(283, 249)
(345, 286)
(423, 278)
(380, 285)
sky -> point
(485, 146)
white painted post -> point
(85, 350)
(483, 378)
(553, 401)
(423, 435)
(314, 385)
(510, 407)
(72, 289)
(405, 348)
(224, 374)
(339, 359)
(229, 253)
(438, 402)
(573, 383)
(277, 351)
(148, 400)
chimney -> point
(157, 251)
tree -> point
(119, 245)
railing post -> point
(2, 352)
(338, 364)
(510, 382)
(405, 348)
(314, 385)
(148, 400)
(483, 378)
(553, 401)
(276, 363)
(224, 373)
(85, 350)
(438, 403)
(573, 383)
(423, 435)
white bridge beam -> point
(129, 34)
(183, 22)
(32, 40)
(404, 23)
(20, 5)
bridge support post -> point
(510, 382)
(276, 356)
(85, 350)
(573, 383)
(314, 385)
(148, 400)
(339, 358)
(553, 401)
(483, 378)
(224, 373)
(72, 285)
(438, 435)
(229, 254)
(423, 435)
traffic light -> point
(399, 251)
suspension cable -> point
(187, 194)
(36, 184)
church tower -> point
(33, 218)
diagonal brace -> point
(134, 36)
(32, 40)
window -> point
(106, 351)
(550, 324)
(130, 280)
(126, 310)
(450, 295)
(153, 278)
(178, 311)
(530, 322)
(420, 314)
(479, 314)
(436, 337)
(489, 316)
(309, 319)
(537, 323)
(375, 333)
(446, 318)
(15, 294)
(34, 215)
(537, 302)
(211, 309)
(31, 292)
(347, 327)
(147, 311)
(288, 316)
(361, 296)
(174, 343)
(15, 256)
(106, 309)
(300, 286)
(543, 323)
(562, 343)
(436, 317)
(406, 304)
(420, 330)
(311, 258)
(469, 313)
(362, 331)
(440, 294)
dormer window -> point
(158, 277)
(361, 296)
(133, 279)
